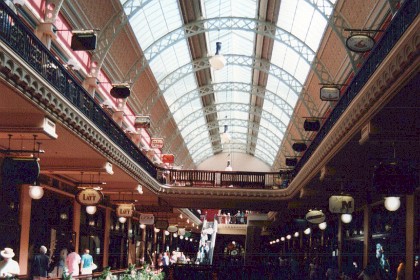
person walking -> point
(8, 266)
(72, 262)
(40, 265)
(86, 265)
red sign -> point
(89, 197)
(168, 158)
(156, 143)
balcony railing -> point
(21, 39)
(224, 179)
(399, 24)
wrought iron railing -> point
(21, 39)
(399, 24)
(224, 179)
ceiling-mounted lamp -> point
(120, 91)
(218, 61)
(228, 166)
(83, 40)
(225, 136)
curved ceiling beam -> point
(250, 89)
(232, 123)
(221, 107)
(259, 27)
(111, 30)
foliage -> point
(130, 273)
(66, 275)
(148, 274)
(106, 274)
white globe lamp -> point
(36, 192)
(346, 218)
(392, 203)
(322, 226)
(307, 231)
(91, 210)
(218, 61)
(122, 220)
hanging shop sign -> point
(89, 197)
(360, 43)
(142, 122)
(315, 216)
(168, 158)
(343, 204)
(172, 229)
(161, 224)
(156, 143)
(147, 219)
(125, 210)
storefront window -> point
(118, 243)
(92, 233)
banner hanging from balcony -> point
(156, 143)
(147, 219)
(142, 122)
(168, 158)
(125, 210)
(89, 197)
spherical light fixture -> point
(282, 238)
(122, 220)
(392, 203)
(156, 230)
(175, 235)
(346, 218)
(288, 237)
(307, 231)
(322, 226)
(218, 61)
(296, 234)
(186, 238)
(181, 237)
(167, 233)
(91, 210)
(36, 192)
(142, 226)
(277, 240)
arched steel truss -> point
(236, 137)
(240, 60)
(230, 23)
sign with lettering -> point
(343, 204)
(315, 217)
(168, 158)
(142, 122)
(125, 210)
(147, 219)
(161, 224)
(156, 143)
(89, 197)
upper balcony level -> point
(28, 66)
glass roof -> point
(176, 76)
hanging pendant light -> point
(346, 218)
(122, 220)
(218, 61)
(225, 136)
(36, 192)
(91, 210)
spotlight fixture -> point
(218, 61)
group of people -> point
(42, 265)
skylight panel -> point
(173, 93)
(155, 20)
(243, 8)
